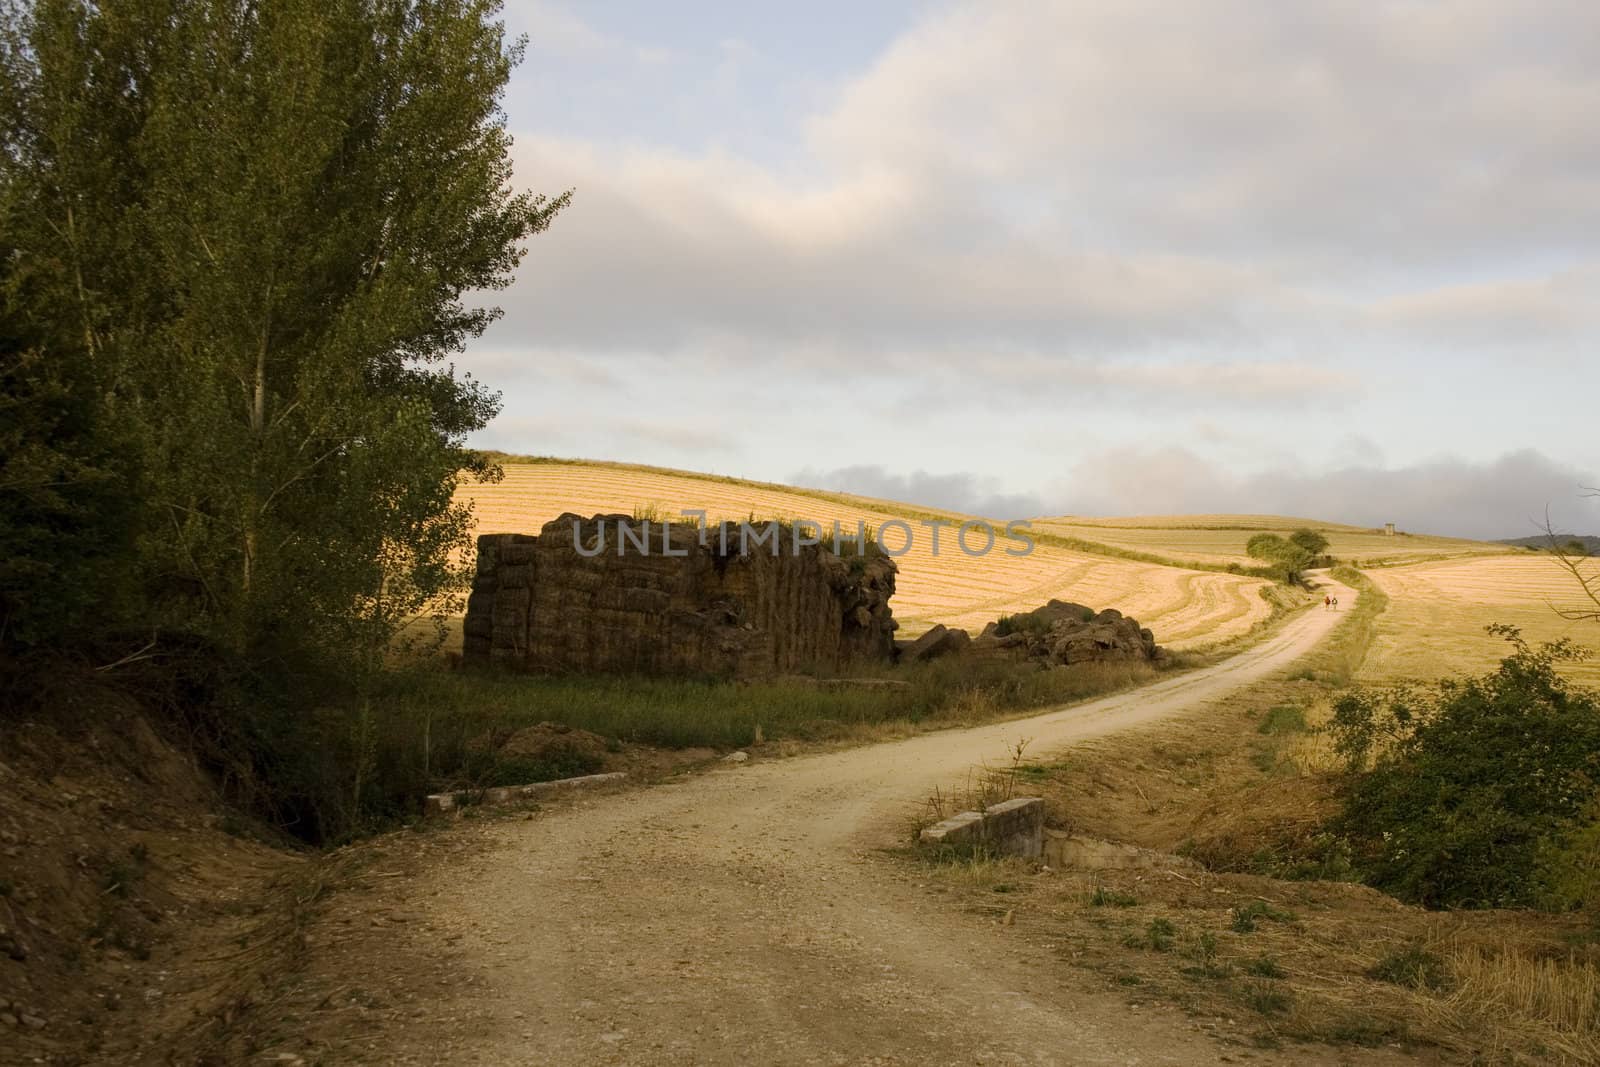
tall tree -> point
(262, 226)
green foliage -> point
(1568, 865)
(1110, 898)
(1324, 858)
(1310, 541)
(1203, 950)
(1246, 918)
(690, 712)
(1158, 936)
(1469, 794)
(242, 240)
(1023, 623)
(1263, 967)
(1287, 559)
(1284, 719)
(485, 770)
(65, 516)
(1267, 998)
(239, 243)
(1415, 968)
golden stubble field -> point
(1220, 540)
(1434, 625)
(1186, 609)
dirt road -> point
(746, 916)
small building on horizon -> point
(1388, 529)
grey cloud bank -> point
(1508, 497)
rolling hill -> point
(1187, 608)
(1219, 540)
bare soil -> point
(135, 919)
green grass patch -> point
(1263, 967)
(1158, 936)
(1415, 968)
(1110, 898)
(424, 730)
(684, 713)
(1022, 623)
(1246, 918)
(1266, 998)
(1206, 966)
(1283, 719)
(487, 770)
(1342, 657)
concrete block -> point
(1093, 854)
(1012, 827)
(440, 803)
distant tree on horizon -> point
(1287, 558)
(1310, 540)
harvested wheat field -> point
(1434, 624)
(1219, 540)
(1186, 609)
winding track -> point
(743, 916)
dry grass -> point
(1243, 788)
(1437, 612)
(1516, 987)
(1219, 540)
(1186, 609)
(1521, 997)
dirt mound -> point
(540, 753)
(135, 915)
(555, 741)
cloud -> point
(1069, 227)
(1320, 129)
(1099, 181)
(662, 250)
(1504, 497)
(969, 493)
(1555, 308)
(556, 31)
(599, 437)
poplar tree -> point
(249, 236)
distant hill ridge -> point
(1590, 542)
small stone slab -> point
(440, 803)
(1093, 854)
(1012, 827)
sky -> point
(1105, 257)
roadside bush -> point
(1478, 793)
